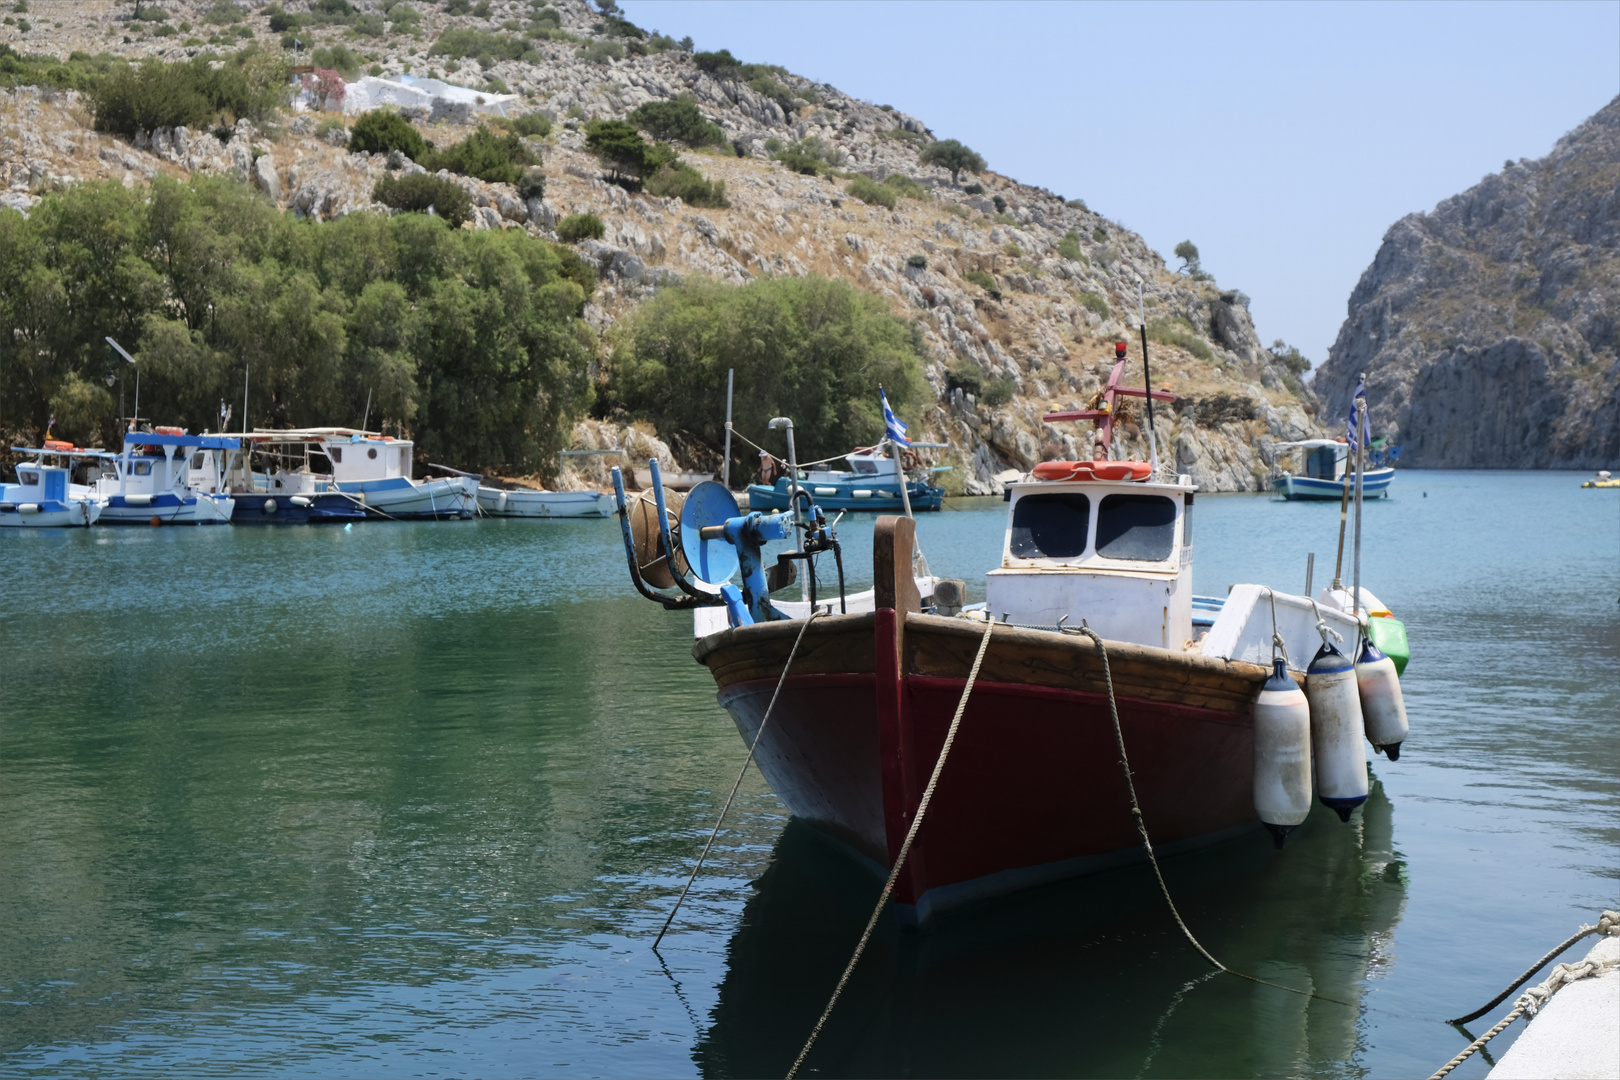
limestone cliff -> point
(1043, 326)
(1487, 328)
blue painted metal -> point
(709, 503)
(736, 611)
(748, 534)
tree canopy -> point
(952, 155)
(469, 341)
(815, 349)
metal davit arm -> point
(670, 602)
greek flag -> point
(892, 427)
(1358, 408)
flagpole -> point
(1360, 406)
(900, 471)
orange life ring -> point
(57, 444)
(168, 431)
(1093, 470)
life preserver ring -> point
(1093, 470)
(57, 444)
(168, 431)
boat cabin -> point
(36, 483)
(1322, 459)
(1117, 554)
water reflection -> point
(1086, 978)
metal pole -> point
(1310, 567)
(246, 368)
(1147, 382)
(900, 471)
(1361, 431)
(725, 462)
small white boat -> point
(41, 497)
(1326, 470)
(370, 472)
(151, 481)
(674, 481)
(520, 502)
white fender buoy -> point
(1282, 754)
(1382, 705)
(1336, 727)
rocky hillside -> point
(981, 273)
(1487, 328)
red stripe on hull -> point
(1033, 789)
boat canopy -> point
(1310, 444)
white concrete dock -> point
(1576, 1036)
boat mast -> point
(1147, 380)
(725, 460)
(1361, 437)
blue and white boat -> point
(340, 473)
(42, 497)
(151, 481)
(1327, 468)
(872, 483)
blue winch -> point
(713, 540)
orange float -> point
(1093, 470)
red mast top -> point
(1112, 390)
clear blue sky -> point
(1283, 139)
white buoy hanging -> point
(1282, 754)
(1382, 704)
(1336, 729)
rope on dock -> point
(814, 615)
(1141, 828)
(1535, 998)
(1608, 923)
(905, 849)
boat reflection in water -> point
(1088, 977)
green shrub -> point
(973, 189)
(533, 124)
(281, 21)
(339, 58)
(917, 262)
(998, 391)
(906, 136)
(600, 52)
(490, 157)
(1069, 246)
(459, 43)
(1098, 235)
(1179, 332)
(620, 146)
(532, 185)
(457, 7)
(682, 181)
(999, 203)
(419, 191)
(984, 281)
(152, 13)
(902, 184)
(952, 155)
(864, 189)
(547, 17)
(381, 130)
(796, 160)
(250, 86)
(966, 376)
(328, 125)
(576, 227)
(1092, 302)
(1076, 204)
(763, 79)
(807, 348)
(677, 119)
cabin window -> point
(1138, 527)
(26, 477)
(143, 468)
(1050, 526)
(336, 452)
(865, 468)
(197, 460)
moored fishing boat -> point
(42, 497)
(871, 483)
(1086, 642)
(530, 503)
(1325, 471)
(151, 483)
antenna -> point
(125, 354)
(1147, 379)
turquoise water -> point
(417, 797)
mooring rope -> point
(740, 773)
(1141, 828)
(905, 848)
(1534, 999)
(1608, 923)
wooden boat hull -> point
(1033, 790)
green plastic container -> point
(1389, 635)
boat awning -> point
(75, 452)
(206, 442)
(1310, 444)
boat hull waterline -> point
(1374, 485)
(1033, 791)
